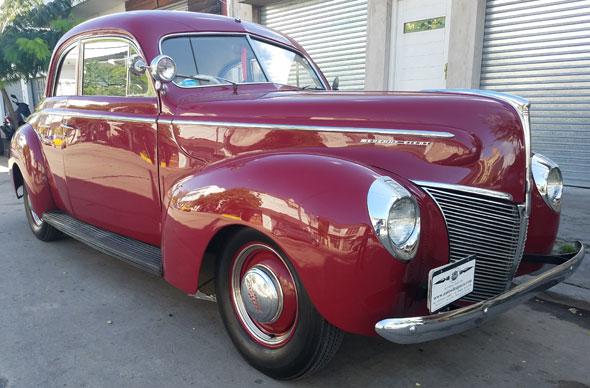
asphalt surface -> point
(72, 317)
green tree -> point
(30, 30)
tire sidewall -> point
(282, 362)
(38, 230)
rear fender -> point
(314, 207)
(27, 158)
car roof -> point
(148, 27)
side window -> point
(105, 70)
(66, 80)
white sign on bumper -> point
(450, 282)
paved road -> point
(56, 300)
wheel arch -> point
(29, 167)
(206, 277)
(312, 207)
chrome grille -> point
(492, 229)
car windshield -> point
(232, 59)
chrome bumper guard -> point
(427, 328)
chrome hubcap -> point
(262, 294)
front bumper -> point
(421, 329)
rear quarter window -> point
(66, 79)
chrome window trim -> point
(57, 71)
(467, 189)
(522, 108)
(248, 36)
(249, 39)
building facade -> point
(539, 49)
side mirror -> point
(163, 68)
(335, 83)
(137, 65)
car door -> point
(110, 157)
(48, 123)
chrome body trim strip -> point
(139, 119)
(467, 189)
(98, 116)
(430, 327)
(314, 128)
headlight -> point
(395, 216)
(548, 180)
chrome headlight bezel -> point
(383, 195)
(544, 170)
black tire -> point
(41, 229)
(312, 342)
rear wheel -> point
(267, 312)
(41, 229)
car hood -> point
(428, 136)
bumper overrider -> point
(430, 327)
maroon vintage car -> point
(230, 167)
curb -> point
(567, 295)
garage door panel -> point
(510, 46)
(549, 29)
(556, 79)
(536, 19)
(540, 50)
(523, 5)
(573, 70)
(333, 32)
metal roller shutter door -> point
(333, 32)
(540, 49)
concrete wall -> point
(93, 8)
(465, 43)
(378, 44)
(246, 12)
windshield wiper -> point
(212, 79)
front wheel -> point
(41, 229)
(267, 312)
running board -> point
(136, 253)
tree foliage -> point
(30, 30)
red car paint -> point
(177, 186)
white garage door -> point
(333, 32)
(540, 49)
(421, 44)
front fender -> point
(314, 207)
(27, 155)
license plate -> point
(450, 282)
